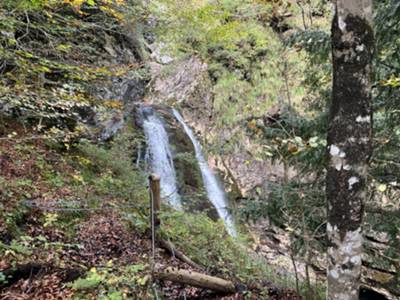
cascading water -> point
(214, 191)
(159, 156)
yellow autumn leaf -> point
(290, 229)
(78, 178)
(252, 124)
(382, 188)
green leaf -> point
(92, 281)
(115, 296)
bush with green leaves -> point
(119, 178)
(110, 283)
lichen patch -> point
(363, 119)
(352, 181)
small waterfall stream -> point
(214, 191)
(159, 156)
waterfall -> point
(159, 156)
(214, 191)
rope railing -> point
(70, 205)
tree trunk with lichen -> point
(349, 145)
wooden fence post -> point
(155, 203)
(155, 198)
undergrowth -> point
(83, 185)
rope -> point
(58, 206)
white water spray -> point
(159, 156)
(214, 191)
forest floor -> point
(54, 252)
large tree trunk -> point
(349, 141)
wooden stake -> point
(155, 197)
(155, 204)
